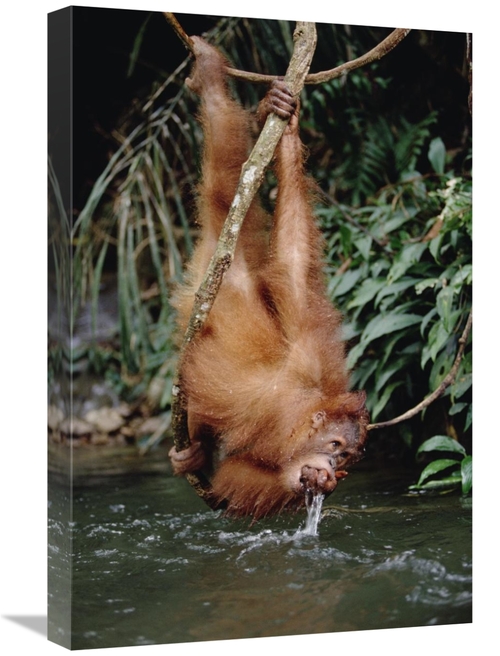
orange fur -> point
(267, 375)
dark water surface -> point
(152, 564)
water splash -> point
(314, 503)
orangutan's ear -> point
(318, 418)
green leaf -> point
(389, 370)
(394, 289)
(461, 385)
(435, 246)
(345, 239)
(437, 155)
(461, 277)
(468, 421)
(438, 336)
(466, 472)
(134, 55)
(397, 220)
(441, 367)
(388, 323)
(441, 483)
(426, 284)
(362, 373)
(364, 244)
(384, 398)
(354, 354)
(444, 303)
(342, 284)
(367, 291)
(456, 408)
(409, 256)
(428, 317)
(441, 443)
(435, 467)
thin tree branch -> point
(448, 380)
(376, 53)
(177, 27)
(252, 173)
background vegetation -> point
(390, 148)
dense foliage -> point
(390, 149)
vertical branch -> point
(250, 179)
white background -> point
(23, 322)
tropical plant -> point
(442, 473)
(405, 286)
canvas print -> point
(259, 358)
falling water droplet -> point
(314, 503)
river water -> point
(152, 564)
